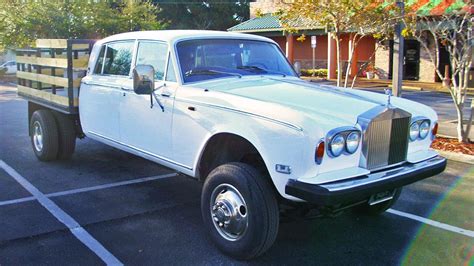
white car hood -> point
(307, 103)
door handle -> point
(165, 94)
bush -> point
(322, 72)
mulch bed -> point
(452, 145)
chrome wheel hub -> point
(229, 212)
(37, 136)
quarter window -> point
(170, 74)
(100, 61)
(153, 53)
(118, 58)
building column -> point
(354, 60)
(332, 57)
(290, 51)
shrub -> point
(321, 72)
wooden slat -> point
(80, 63)
(48, 96)
(59, 43)
(58, 81)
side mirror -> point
(297, 68)
(143, 79)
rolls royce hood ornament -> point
(388, 92)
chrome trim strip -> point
(283, 123)
(383, 175)
(141, 151)
(102, 85)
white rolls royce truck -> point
(229, 110)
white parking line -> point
(87, 189)
(443, 226)
(80, 233)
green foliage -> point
(321, 72)
(22, 22)
(204, 15)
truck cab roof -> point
(172, 36)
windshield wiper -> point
(261, 69)
(209, 72)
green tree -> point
(454, 32)
(204, 15)
(22, 22)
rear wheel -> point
(240, 210)
(379, 208)
(67, 136)
(44, 135)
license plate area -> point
(381, 197)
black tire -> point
(48, 150)
(378, 208)
(67, 136)
(261, 210)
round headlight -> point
(337, 145)
(414, 131)
(424, 129)
(352, 142)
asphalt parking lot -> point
(133, 211)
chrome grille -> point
(399, 140)
(385, 140)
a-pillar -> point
(290, 47)
(355, 58)
(332, 57)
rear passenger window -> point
(118, 58)
(153, 53)
(100, 61)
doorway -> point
(411, 62)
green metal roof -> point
(270, 23)
(263, 23)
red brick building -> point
(417, 64)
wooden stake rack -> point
(50, 74)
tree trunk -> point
(339, 68)
(460, 126)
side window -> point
(170, 75)
(100, 61)
(118, 58)
(153, 53)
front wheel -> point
(240, 210)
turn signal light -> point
(319, 154)
(434, 131)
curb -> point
(458, 157)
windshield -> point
(215, 58)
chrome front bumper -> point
(362, 187)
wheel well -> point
(226, 147)
(32, 107)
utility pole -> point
(398, 54)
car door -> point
(144, 125)
(101, 92)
